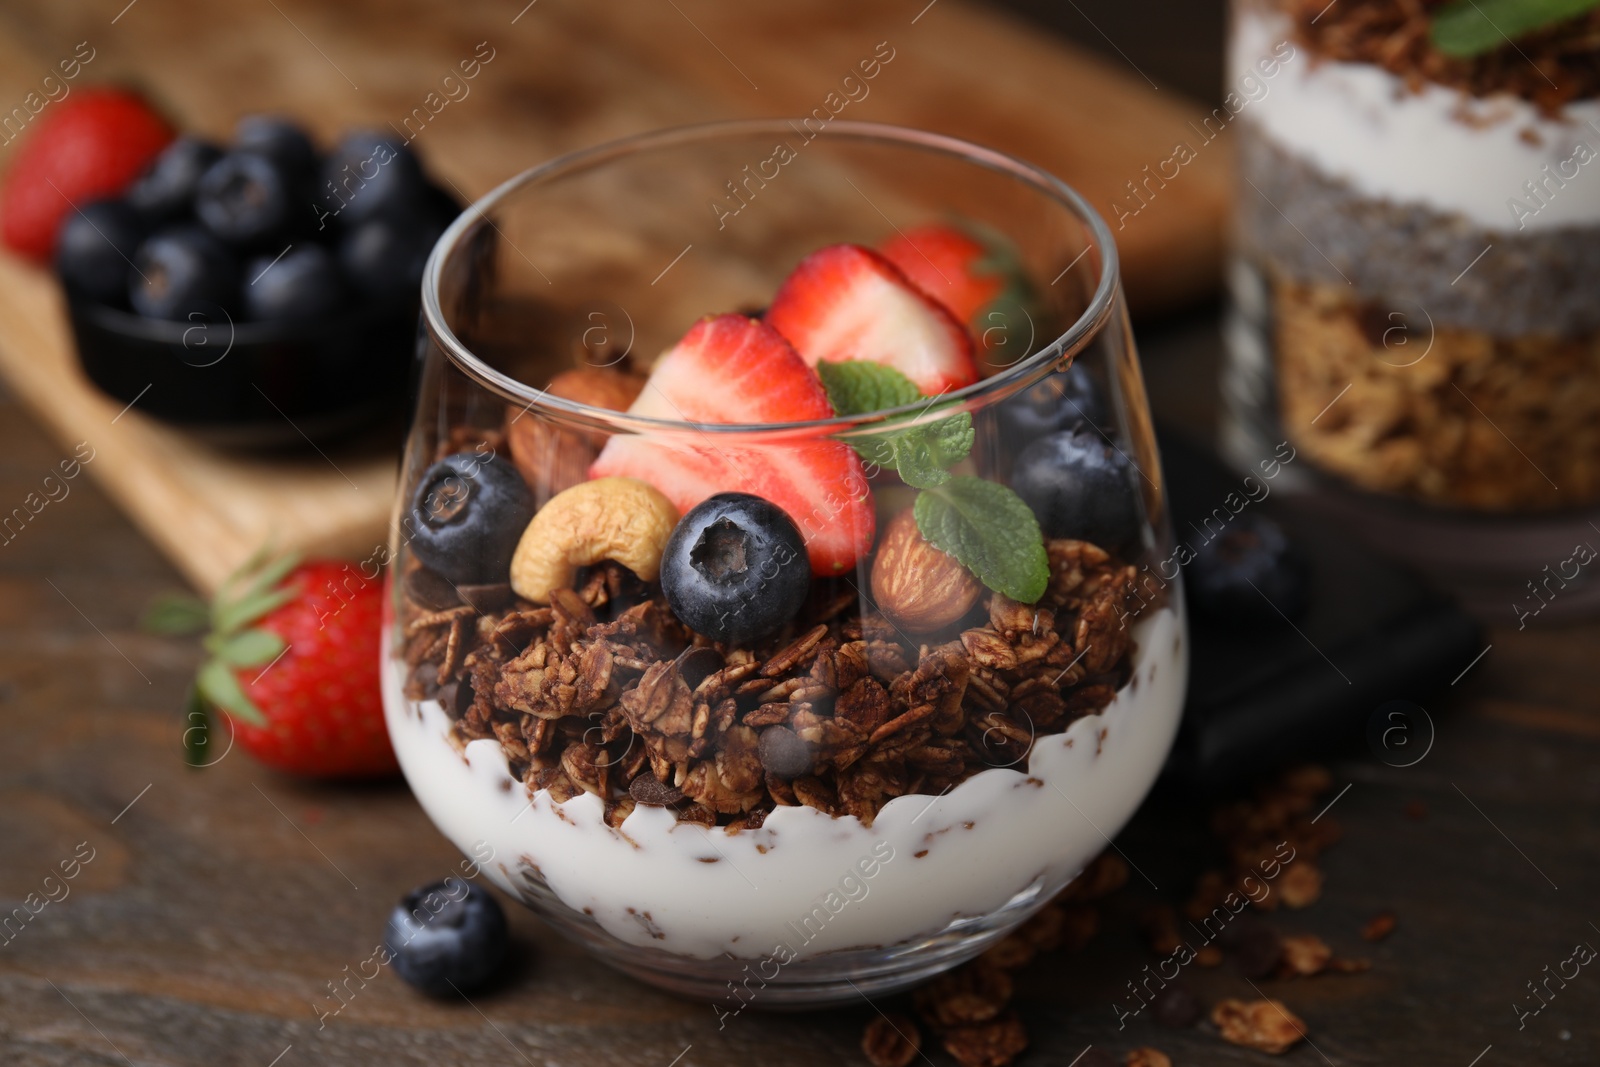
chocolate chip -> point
(783, 754)
(1258, 953)
(648, 789)
(1176, 1007)
(695, 665)
(431, 590)
(455, 697)
(486, 598)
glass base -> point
(766, 983)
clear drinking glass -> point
(935, 777)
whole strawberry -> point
(87, 147)
(294, 666)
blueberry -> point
(1248, 573)
(180, 272)
(282, 141)
(167, 190)
(246, 199)
(467, 515)
(384, 257)
(1063, 401)
(735, 568)
(447, 938)
(369, 175)
(304, 283)
(95, 247)
(1079, 486)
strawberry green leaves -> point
(983, 524)
(1467, 28)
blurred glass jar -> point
(860, 798)
(1413, 299)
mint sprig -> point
(921, 454)
(1467, 28)
(983, 524)
(991, 531)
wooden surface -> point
(560, 76)
(220, 904)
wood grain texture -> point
(220, 905)
(563, 74)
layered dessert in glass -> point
(772, 605)
(1417, 228)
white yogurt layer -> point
(1439, 148)
(804, 879)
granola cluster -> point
(1549, 67)
(604, 691)
(1493, 424)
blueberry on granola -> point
(466, 516)
(735, 568)
(1249, 573)
(1079, 486)
(446, 938)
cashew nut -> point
(621, 519)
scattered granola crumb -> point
(1379, 926)
(1343, 966)
(1210, 956)
(1265, 1025)
(1300, 885)
(1304, 955)
(991, 1044)
(1145, 1056)
(891, 1041)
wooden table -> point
(219, 905)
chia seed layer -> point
(1311, 228)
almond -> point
(598, 387)
(552, 458)
(919, 587)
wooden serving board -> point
(560, 74)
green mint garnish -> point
(1467, 28)
(922, 454)
(983, 524)
(991, 531)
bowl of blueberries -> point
(259, 294)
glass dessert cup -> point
(894, 774)
(1412, 305)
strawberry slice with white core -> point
(729, 369)
(845, 302)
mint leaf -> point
(923, 454)
(858, 387)
(990, 531)
(1467, 28)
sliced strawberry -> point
(732, 370)
(845, 302)
(949, 266)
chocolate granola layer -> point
(605, 691)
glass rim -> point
(1033, 366)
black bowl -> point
(251, 384)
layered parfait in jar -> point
(811, 655)
(1417, 242)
